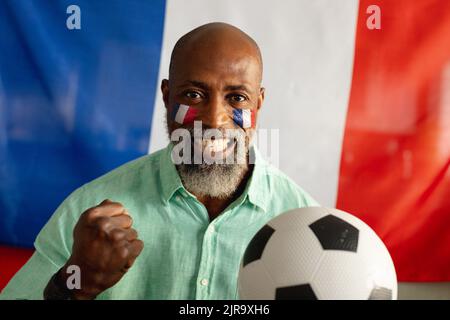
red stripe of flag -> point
(12, 259)
(395, 161)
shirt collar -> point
(169, 177)
(256, 189)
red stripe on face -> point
(253, 118)
(191, 115)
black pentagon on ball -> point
(298, 292)
(380, 293)
(256, 246)
(334, 233)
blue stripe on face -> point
(237, 117)
(174, 111)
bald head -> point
(215, 69)
(215, 41)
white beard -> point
(216, 180)
(212, 180)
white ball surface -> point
(316, 253)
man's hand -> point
(105, 247)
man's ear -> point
(165, 92)
(261, 97)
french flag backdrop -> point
(363, 114)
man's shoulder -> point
(120, 184)
(280, 179)
(286, 187)
(129, 171)
(127, 178)
(123, 184)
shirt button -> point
(204, 282)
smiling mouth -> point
(217, 148)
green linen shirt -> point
(185, 255)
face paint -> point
(245, 118)
(184, 114)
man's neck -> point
(216, 206)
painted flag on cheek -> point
(184, 114)
(245, 118)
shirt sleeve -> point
(53, 248)
(29, 282)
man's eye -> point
(238, 98)
(193, 95)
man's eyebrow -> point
(204, 86)
(237, 87)
(198, 84)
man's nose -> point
(215, 114)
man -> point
(194, 219)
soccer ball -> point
(316, 253)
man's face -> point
(214, 81)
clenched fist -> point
(105, 247)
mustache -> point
(219, 137)
(212, 133)
(196, 146)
